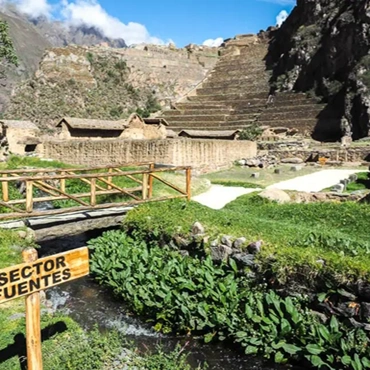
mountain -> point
(58, 34)
(323, 48)
(31, 37)
(29, 45)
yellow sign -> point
(27, 278)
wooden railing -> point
(133, 186)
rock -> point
(238, 243)
(255, 247)
(31, 235)
(353, 178)
(252, 162)
(242, 162)
(277, 171)
(197, 228)
(226, 240)
(22, 234)
(16, 248)
(214, 243)
(322, 317)
(296, 168)
(275, 195)
(221, 253)
(364, 291)
(292, 160)
(184, 253)
(244, 259)
(339, 188)
(255, 175)
(348, 309)
(365, 311)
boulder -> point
(238, 243)
(292, 160)
(275, 195)
(339, 188)
(364, 291)
(277, 171)
(244, 259)
(255, 247)
(221, 253)
(242, 162)
(255, 175)
(226, 240)
(365, 311)
(197, 228)
(296, 168)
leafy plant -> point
(252, 132)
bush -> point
(252, 132)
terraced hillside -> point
(235, 93)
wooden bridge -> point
(43, 194)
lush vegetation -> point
(253, 132)
(362, 182)
(7, 53)
(194, 295)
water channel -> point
(90, 304)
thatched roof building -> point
(204, 134)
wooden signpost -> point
(32, 276)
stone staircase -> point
(234, 96)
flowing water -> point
(90, 305)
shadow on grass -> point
(18, 348)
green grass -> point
(248, 185)
(296, 236)
(362, 183)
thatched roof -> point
(171, 133)
(155, 121)
(19, 124)
(209, 134)
(92, 124)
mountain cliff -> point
(323, 48)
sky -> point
(179, 21)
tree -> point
(7, 53)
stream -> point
(90, 304)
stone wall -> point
(204, 155)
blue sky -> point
(182, 21)
(186, 21)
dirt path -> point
(218, 196)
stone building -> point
(21, 136)
(134, 128)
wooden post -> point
(33, 320)
(63, 182)
(110, 178)
(5, 189)
(29, 196)
(188, 183)
(145, 186)
(150, 181)
(93, 192)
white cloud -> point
(33, 8)
(90, 13)
(281, 17)
(87, 13)
(213, 42)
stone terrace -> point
(235, 93)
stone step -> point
(229, 98)
(232, 90)
(239, 68)
(303, 124)
(203, 118)
(207, 124)
(242, 57)
(210, 128)
(237, 72)
(313, 113)
(199, 111)
(236, 83)
(249, 76)
(194, 105)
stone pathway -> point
(315, 181)
(218, 196)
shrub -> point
(252, 132)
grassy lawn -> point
(296, 236)
(242, 176)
